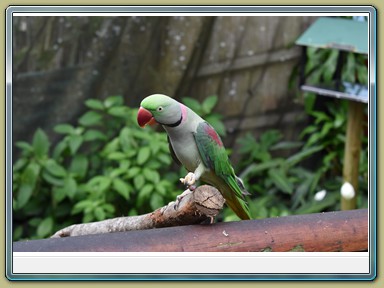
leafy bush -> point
(283, 186)
(106, 166)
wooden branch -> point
(321, 232)
(194, 207)
(352, 151)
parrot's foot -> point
(189, 180)
(180, 197)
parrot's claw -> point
(180, 197)
(189, 180)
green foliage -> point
(288, 185)
(104, 167)
(321, 66)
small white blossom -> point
(320, 195)
(347, 191)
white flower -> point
(320, 195)
(347, 191)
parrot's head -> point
(158, 108)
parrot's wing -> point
(173, 155)
(215, 157)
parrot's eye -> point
(159, 109)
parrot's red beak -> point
(145, 117)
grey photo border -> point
(372, 106)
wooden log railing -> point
(322, 232)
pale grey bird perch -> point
(205, 202)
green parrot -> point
(194, 143)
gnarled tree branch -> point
(193, 207)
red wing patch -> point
(212, 133)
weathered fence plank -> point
(322, 232)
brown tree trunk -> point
(322, 232)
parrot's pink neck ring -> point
(184, 113)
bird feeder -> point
(345, 35)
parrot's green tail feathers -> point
(234, 198)
(239, 206)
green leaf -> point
(108, 208)
(90, 118)
(81, 206)
(117, 156)
(94, 104)
(326, 128)
(151, 175)
(339, 120)
(88, 216)
(75, 142)
(309, 102)
(349, 69)
(34, 222)
(280, 180)
(301, 191)
(209, 103)
(23, 195)
(257, 168)
(64, 129)
(139, 181)
(156, 201)
(119, 111)
(60, 148)
(362, 74)
(320, 117)
(308, 130)
(145, 192)
(315, 181)
(28, 183)
(111, 146)
(121, 187)
(298, 157)
(317, 206)
(92, 134)
(143, 155)
(99, 184)
(40, 143)
(59, 194)
(45, 227)
(19, 164)
(99, 213)
(79, 165)
(51, 179)
(127, 142)
(113, 101)
(17, 233)
(313, 140)
(133, 171)
(52, 167)
(193, 104)
(124, 164)
(117, 172)
(161, 189)
(164, 158)
(70, 187)
(286, 145)
(24, 146)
